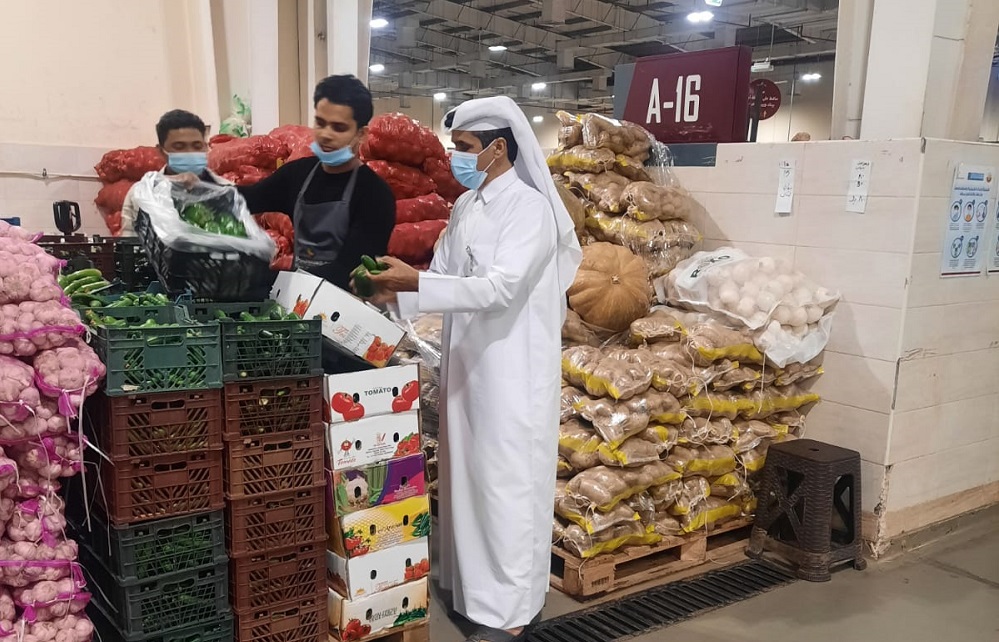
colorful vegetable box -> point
(379, 484)
(397, 607)
(369, 441)
(380, 528)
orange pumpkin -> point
(611, 288)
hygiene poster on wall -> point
(965, 239)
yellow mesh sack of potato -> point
(666, 525)
(662, 437)
(729, 486)
(604, 488)
(582, 159)
(631, 168)
(593, 521)
(578, 363)
(713, 341)
(570, 397)
(711, 512)
(578, 444)
(661, 325)
(574, 204)
(650, 202)
(570, 132)
(605, 190)
(694, 491)
(576, 332)
(585, 546)
(708, 461)
(621, 137)
(633, 452)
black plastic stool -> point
(809, 508)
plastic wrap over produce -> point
(790, 314)
(165, 202)
(422, 345)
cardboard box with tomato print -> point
(368, 441)
(383, 483)
(391, 609)
(380, 528)
(370, 393)
(350, 323)
(380, 571)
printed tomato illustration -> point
(411, 391)
(301, 305)
(401, 404)
(341, 402)
(345, 446)
(356, 411)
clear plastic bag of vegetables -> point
(206, 217)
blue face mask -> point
(465, 167)
(335, 158)
(183, 162)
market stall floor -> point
(945, 590)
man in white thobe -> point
(500, 276)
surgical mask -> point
(335, 158)
(183, 162)
(465, 167)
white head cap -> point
(500, 112)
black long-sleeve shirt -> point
(372, 209)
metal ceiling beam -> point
(477, 19)
(457, 49)
(606, 13)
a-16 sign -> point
(696, 97)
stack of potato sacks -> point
(613, 179)
(411, 159)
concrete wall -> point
(912, 367)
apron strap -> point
(301, 194)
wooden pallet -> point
(417, 632)
(635, 565)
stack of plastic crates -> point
(151, 528)
(274, 478)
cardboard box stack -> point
(151, 530)
(274, 483)
(379, 512)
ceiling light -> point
(376, 68)
(811, 77)
(539, 86)
(440, 96)
(713, 3)
(497, 48)
(538, 119)
(698, 17)
(379, 23)
(762, 66)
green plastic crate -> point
(263, 349)
(159, 604)
(142, 551)
(184, 357)
(218, 630)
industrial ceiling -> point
(469, 48)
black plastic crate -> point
(158, 604)
(218, 630)
(269, 349)
(184, 356)
(211, 275)
(147, 550)
(132, 266)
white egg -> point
(782, 314)
(758, 319)
(798, 316)
(768, 265)
(814, 313)
(761, 279)
(716, 277)
(746, 307)
(802, 295)
(786, 282)
(715, 303)
(765, 302)
(728, 293)
(742, 272)
(775, 288)
(799, 331)
(751, 290)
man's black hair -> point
(487, 137)
(178, 119)
(349, 91)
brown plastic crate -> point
(98, 251)
(268, 407)
(274, 463)
(269, 522)
(145, 425)
(143, 488)
(300, 621)
(293, 573)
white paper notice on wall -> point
(785, 187)
(965, 237)
(860, 181)
(992, 263)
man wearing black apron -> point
(341, 209)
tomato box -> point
(383, 483)
(376, 572)
(380, 528)
(394, 608)
(294, 291)
(369, 441)
(372, 392)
